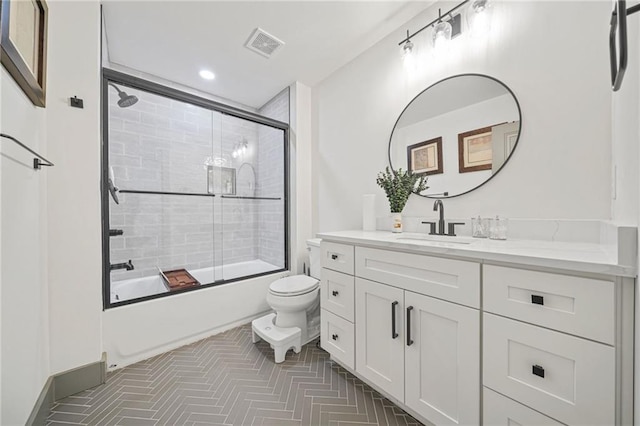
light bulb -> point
(441, 34)
(479, 16)
(407, 49)
(407, 52)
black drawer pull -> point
(538, 371)
(393, 320)
(537, 300)
(335, 292)
(334, 256)
(334, 336)
(409, 341)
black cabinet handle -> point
(409, 341)
(335, 292)
(537, 300)
(537, 371)
(334, 336)
(393, 320)
(334, 256)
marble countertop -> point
(570, 256)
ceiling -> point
(174, 40)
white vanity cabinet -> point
(458, 340)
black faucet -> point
(452, 225)
(127, 265)
(438, 204)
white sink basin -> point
(436, 239)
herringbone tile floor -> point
(227, 380)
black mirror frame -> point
(618, 26)
(505, 161)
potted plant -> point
(398, 185)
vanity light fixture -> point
(448, 25)
(240, 148)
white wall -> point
(75, 261)
(300, 167)
(24, 314)
(559, 73)
(50, 231)
(625, 112)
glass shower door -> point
(161, 227)
(253, 203)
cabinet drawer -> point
(565, 377)
(502, 411)
(580, 306)
(454, 280)
(337, 338)
(336, 293)
(338, 257)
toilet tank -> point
(313, 246)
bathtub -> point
(141, 287)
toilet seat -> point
(293, 286)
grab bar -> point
(37, 164)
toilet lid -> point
(293, 286)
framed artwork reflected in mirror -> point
(425, 158)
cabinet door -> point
(380, 351)
(443, 360)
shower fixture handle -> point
(115, 232)
(125, 265)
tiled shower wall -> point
(271, 153)
(162, 145)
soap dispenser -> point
(479, 227)
(498, 228)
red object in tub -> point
(178, 279)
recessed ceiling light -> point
(207, 75)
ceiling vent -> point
(263, 43)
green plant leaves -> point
(399, 185)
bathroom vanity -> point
(468, 331)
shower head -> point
(125, 100)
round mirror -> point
(459, 132)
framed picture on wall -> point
(475, 150)
(425, 158)
(23, 41)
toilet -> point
(296, 302)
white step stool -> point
(280, 339)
